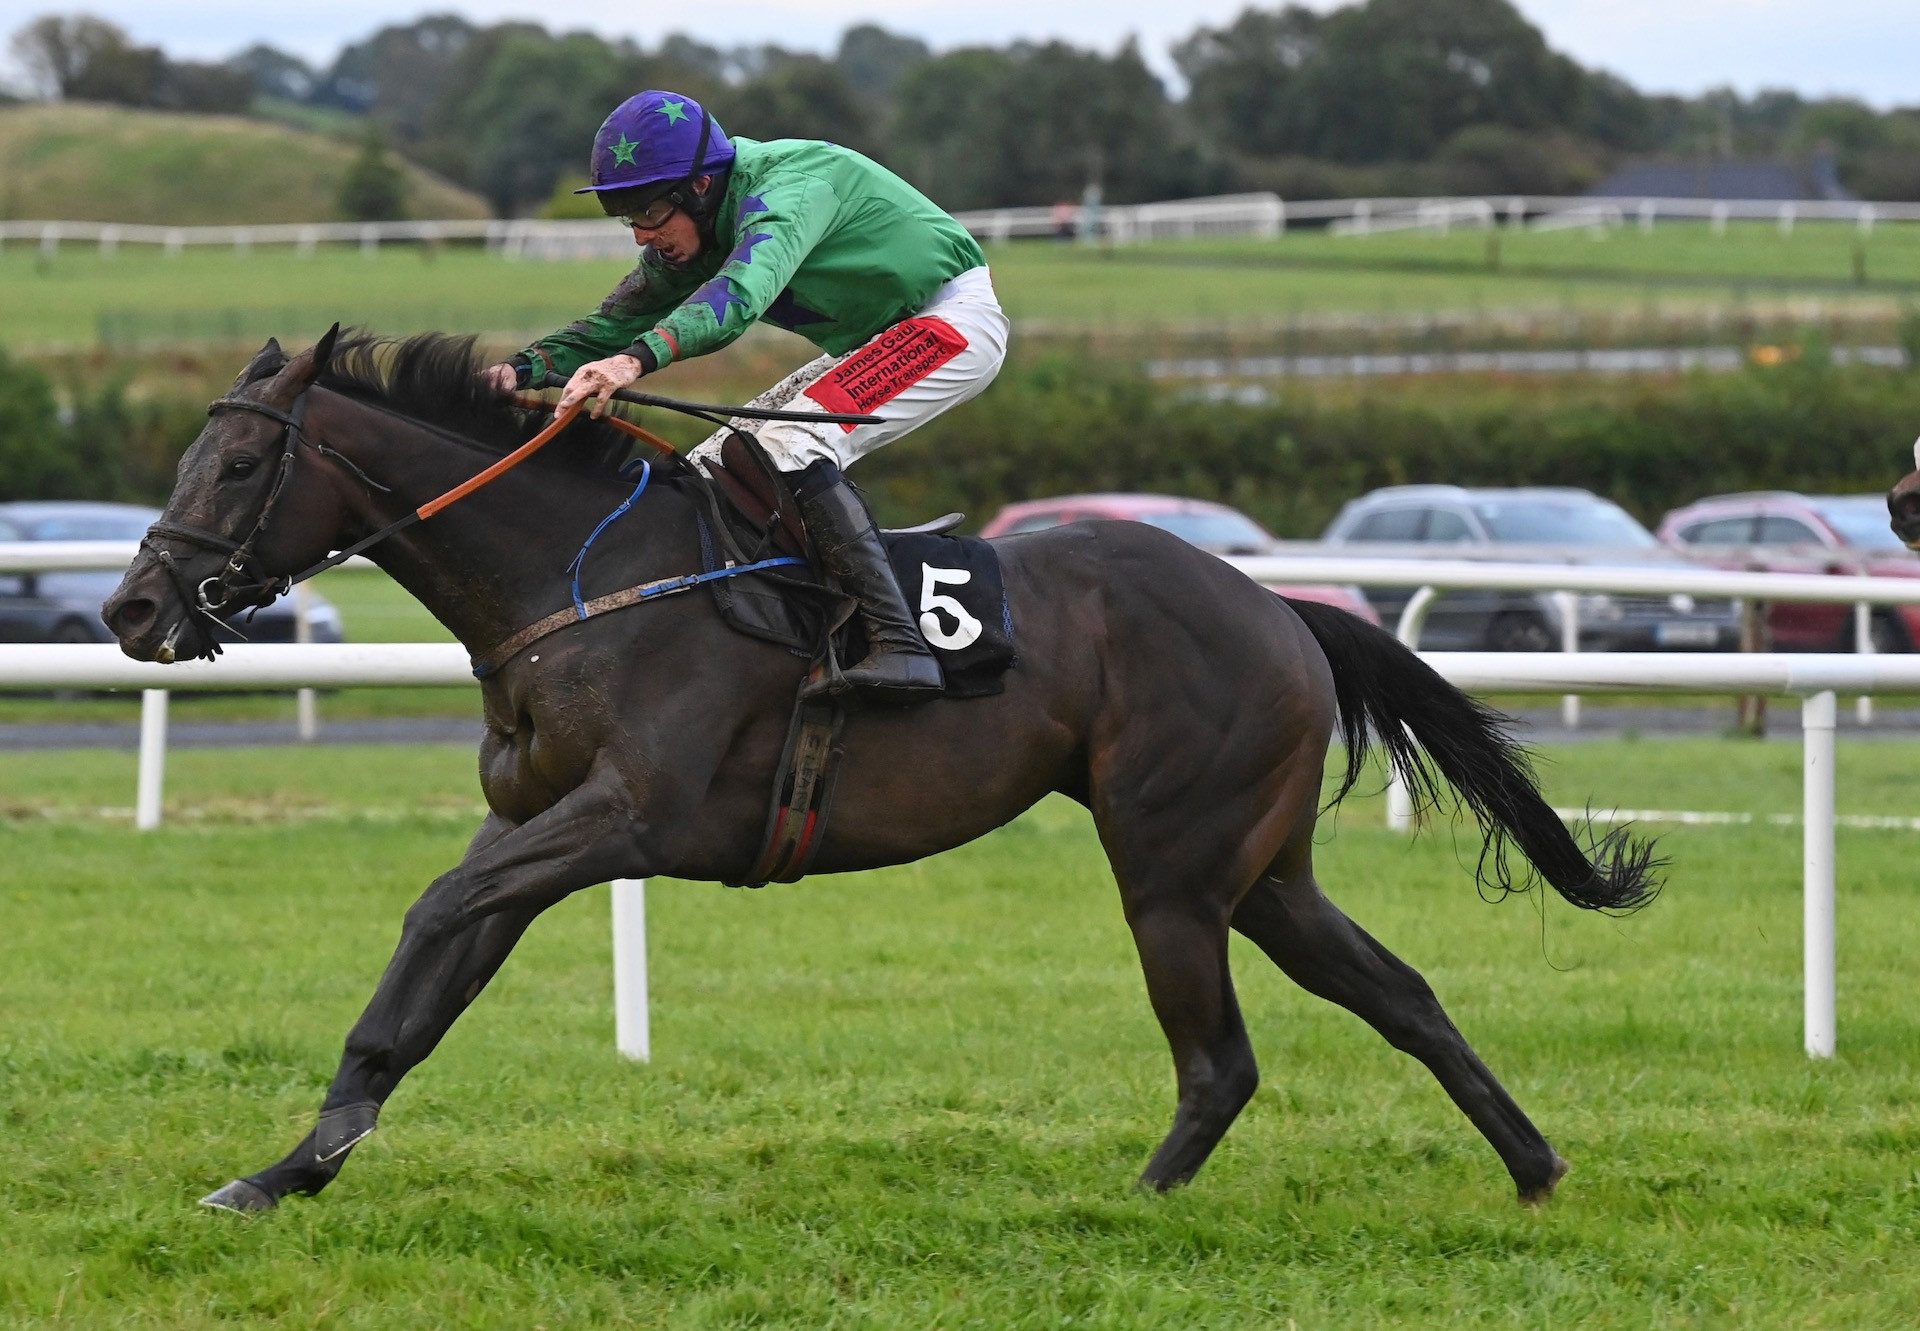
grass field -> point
(918, 1097)
(140, 296)
(73, 162)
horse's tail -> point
(1388, 695)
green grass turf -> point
(918, 1097)
(1747, 252)
(72, 161)
(144, 296)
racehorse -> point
(1187, 708)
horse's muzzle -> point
(147, 618)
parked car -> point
(65, 606)
(1778, 531)
(1213, 527)
(1543, 524)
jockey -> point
(814, 238)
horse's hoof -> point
(240, 1197)
(1541, 1195)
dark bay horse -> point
(1187, 708)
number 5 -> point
(968, 630)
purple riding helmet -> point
(655, 138)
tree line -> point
(1378, 97)
(1063, 419)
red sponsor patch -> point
(887, 366)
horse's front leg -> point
(455, 937)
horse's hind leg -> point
(1183, 950)
(1327, 954)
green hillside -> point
(82, 162)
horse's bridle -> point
(240, 579)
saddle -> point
(748, 515)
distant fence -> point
(1265, 215)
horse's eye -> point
(241, 467)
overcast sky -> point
(1861, 48)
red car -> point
(1215, 528)
(1782, 532)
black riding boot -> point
(898, 663)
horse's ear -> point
(323, 350)
(266, 362)
(310, 364)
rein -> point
(240, 576)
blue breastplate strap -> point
(668, 586)
(584, 609)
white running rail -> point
(1264, 215)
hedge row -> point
(1060, 426)
(1063, 423)
(101, 444)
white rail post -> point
(632, 1034)
(151, 784)
(1863, 643)
(307, 715)
(1569, 642)
(1817, 713)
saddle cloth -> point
(952, 584)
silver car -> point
(65, 606)
(1545, 524)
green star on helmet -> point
(675, 112)
(623, 151)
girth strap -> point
(802, 792)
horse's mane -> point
(435, 379)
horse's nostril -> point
(130, 616)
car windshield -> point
(1210, 530)
(1561, 522)
(1862, 523)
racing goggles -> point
(653, 216)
